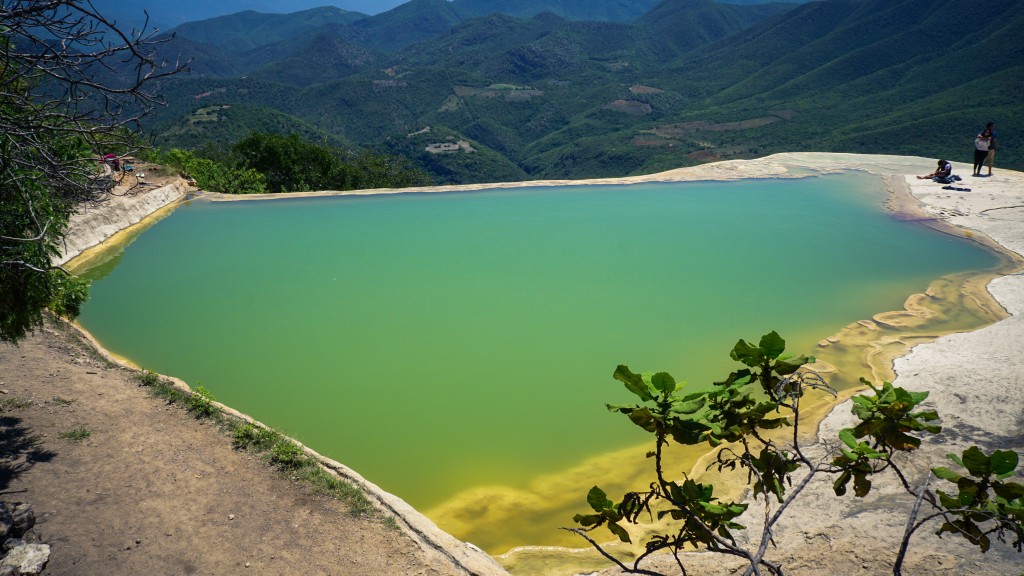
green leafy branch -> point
(735, 416)
(985, 504)
(888, 421)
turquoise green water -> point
(440, 342)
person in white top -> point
(982, 144)
(991, 147)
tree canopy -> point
(71, 87)
(270, 162)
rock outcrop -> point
(95, 223)
(20, 557)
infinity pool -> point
(457, 348)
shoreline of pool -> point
(907, 198)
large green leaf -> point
(1009, 490)
(598, 500)
(968, 491)
(946, 474)
(588, 520)
(787, 367)
(687, 432)
(664, 382)
(918, 397)
(619, 531)
(690, 404)
(976, 462)
(1004, 461)
(846, 435)
(772, 344)
(745, 353)
(634, 382)
(864, 401)
(644, 418)
(839, 486)
(624, 408)
(861, 485)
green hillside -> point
(691, 81)
(315, 57)
(408, 24)
(224, 124)
(248, 30)
(873, 76)
(588, 10)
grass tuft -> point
(13, 403)
(323, 482)
(77, 434)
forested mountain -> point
(248, 30)
(689, 81)
(167, 15)
(678, 26)
(872, 74)
(412, 22)
(587, 10)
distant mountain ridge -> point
(586, 10)
(240, 43)
(249, 29)
(167, 15)
(689, 81)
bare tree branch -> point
(72, 87)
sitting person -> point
(113, 161)
(943, 174)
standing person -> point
(982, 143)
(991, 127)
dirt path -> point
(154, 491)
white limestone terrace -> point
(976, 379)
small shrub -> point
(249, 437)
(200, 403)
(77, 434)
(287, 456)
(147, 378)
